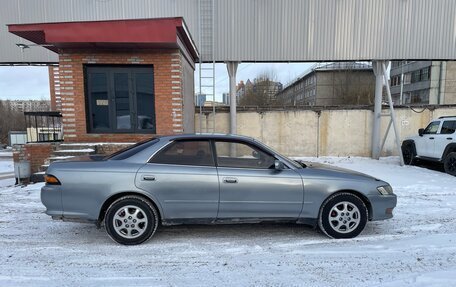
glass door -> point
(120, 99)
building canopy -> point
(115, 34)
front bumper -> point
(382, 206)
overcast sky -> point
(24, 82)
(32, 82)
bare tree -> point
(262, 92)
(10, 120)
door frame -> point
(110, 70)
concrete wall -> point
(450, 83)
(341, 132)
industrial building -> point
(340, 83)
(28, 105)
(423, 82)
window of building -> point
(240, 155)
(448, 127)
(419, 97)
(396, 99)
(120, 99)
(406, 98)
(416, 76)
(407, 78)
(425, 74)
(396, 80)
(186, 152)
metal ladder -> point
(207, 61)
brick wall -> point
(54, 87)
(36, 153)
(168, 91)
(107, 149)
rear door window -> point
(448, 127)
(132, 150)
(186, 152)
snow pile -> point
(416, 248)
(6, 166)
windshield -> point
(132, 150)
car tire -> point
(131, 220)
(449, 163)
(343, 215)
(408, 153)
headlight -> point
(385, 190)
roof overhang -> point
(160, 33)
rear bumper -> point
(382, 206)
(51, 197)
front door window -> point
(120, 99)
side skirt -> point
(305, 221)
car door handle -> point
(230, 180)
(148, 177)
(449, 138)
(431, 138)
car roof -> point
(447, 118)
(207, 136)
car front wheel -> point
(408, 153)
(450, 163)
(131, 220)
(343, 215)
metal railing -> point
(43, 126)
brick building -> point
(119, 81)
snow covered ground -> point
(6, 166)
(416, 248)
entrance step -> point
(73, 152)
(77, 146)
(37, 177)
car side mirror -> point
(278, 165)
(421, 132)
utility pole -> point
(232, 69)
(378, 71)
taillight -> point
(50, 179)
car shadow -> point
(436, 166)
(178, 234)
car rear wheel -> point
(408, 153)
(131, 220)
(343, 215)
(450, 163)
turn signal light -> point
(50, 179)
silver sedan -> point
(210, 179)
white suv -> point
(437, 142)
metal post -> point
(232, 68)
(401, 98)
(378, 71)
(393, 115)
(199, 71)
